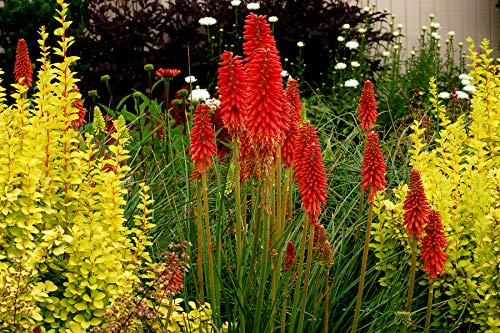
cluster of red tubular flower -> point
(310, 172)
(416, 206)
(202, 138)
(289, 256)
(22, 68)
(367, 109)
(434, 240)
(373, 167)
(78, 104)
(257, 34)
(293, 116)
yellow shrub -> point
(461, 179)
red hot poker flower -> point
(170, 72)
(202, 138)
(310, 172)
(257, 34)
(367, 109)
(232, 89)
(373, 167)
(416, 206)
(432, 243)
(289, 256)
(293, 108)
(22, 68)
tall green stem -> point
(239, 234)
(363, 269)
(199, 223)
(306, 278)
(430, 297)
(412, 276)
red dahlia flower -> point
(416, 206)
(22, 68)
(432, 243)
(170, 72)
(367, 109)
(202, 138)
(232, 89)
(373, 167)
(310, 172)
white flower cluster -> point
(199, 94)
(466, 81)
(235, 3)
(340, 66)
(207, 21)
(253, 6)
(352, 45)
(273, 19)
(351, 83)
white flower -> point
(213, 103)
(435, 25)
(444, 95)
(395, 33)
(340, 38)
(355, 64)
(447, 41)
(400, 26)
(361, 30)
(385, 54)
(199, 94)
(386, 9)
(395, 47)
(284, 73)
(431, 16)
(366, 9)
(207, 21)
(235, 3)
(462, 95)
(190, 79)
(424, 28)
(340, 65)
(413, 53)
(351, 83)
(300, 44)
(465, 77)
(435, 35)
(451, 33)
(273, 19)
(465, 82)
(253, 6)
(469, 88)
(352, 44)
(393, 16)
(346, 26)
(460, 44)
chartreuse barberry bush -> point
(461, 177)
(68, 262)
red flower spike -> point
(310, 172)
(22, 68)
(293, 108)
(170, 72)
(78, 104)
(373, 167)
(319, 236)
(292, 95)
(202, 138)
(232, 89)
(367, 109)
(432, 243)
(257, 34)
(289, 256)
(416, 206)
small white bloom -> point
(451, 33)
(351, 83)
(361, 30)
(284, 73)
(435, 35)
(366, 9)
(273, 19)
(462, 95)
(424, 28)
(208, 21)
(413, 53)
(340, 65)
(385, 54)
(435, 25)
(438, 46)
(444, 95)
(352, 44)
(300, 44)
(355, 64)
(340, 38)
(253, 6)
(395, 33)
(346, 26)
(447, 41)
(386, 10)
(465, 77)
(431, 16)
(460, 44)
(213, 103)
(393, 16)
(395, 47)
(235, 3)
(190, 79)
(469, 88)
(199, 94)
(465, 82)
(400, 26)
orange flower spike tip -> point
(169, 72)
(22, 68)
(416, 206)
(202, 138)
(373, 167)
(232, 89)
(367, 109)
(434, 240)
(310, 172)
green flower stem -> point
(412, 276)
(199, 221)
(363, 268)
(306, 278)
(326, 295)
(166, 116)
(211, 286)
(429, 307)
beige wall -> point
(475, 18)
